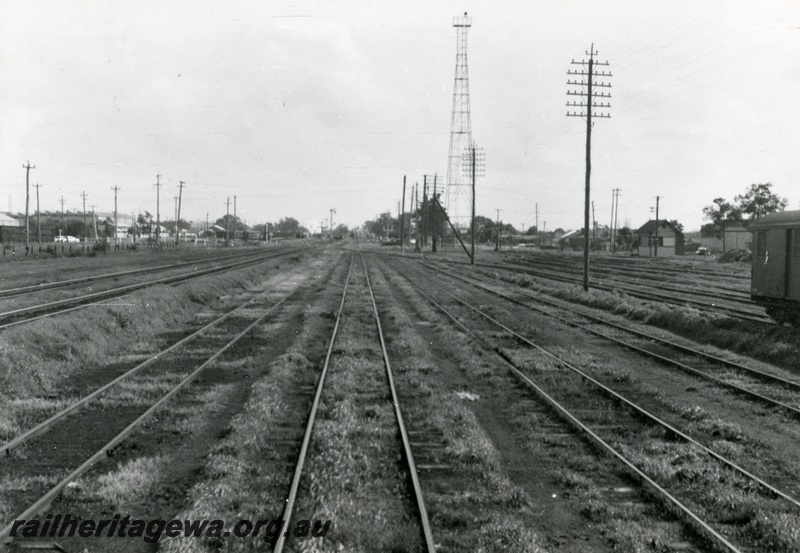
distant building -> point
(8, 221)
(663, 233)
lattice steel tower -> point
(458, 196)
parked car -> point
(66, 239)
(702, 251)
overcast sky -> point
(300, 107)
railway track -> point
(45, 309)
(600, 412)
(114, 276)
(407, 455)
(768, 388)
(752, 313)
(111, 424)
(639, 276)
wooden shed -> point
(656, 236)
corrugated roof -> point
(780, 219)
(650, 226)
(7, 221)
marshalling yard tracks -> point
(184, 361)
(191, 353)
(411, 468)
(733, 304)
(770, 389)
(185, 272)
(592, 405)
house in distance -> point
(663, 233)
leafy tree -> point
(288, 226)
(624, 238)
(384, 226)
(680, 240)
(759, 201)
(722, 214)
(341, 230)
(236, 224)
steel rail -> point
(427, 533)
(665, 298)
(625, 401)
(44, 425)
(102, 453)
(301, 458)
(763, 375)
(34, 288)
(634, 275)
(697, 522)
(651, 296)
(123, 290)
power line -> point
(27, 168)
(586, 103)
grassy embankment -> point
(771, 343)
(38, 359)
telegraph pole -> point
(425, 210)
(180, 198)
(655, 253)
(158, 210)
(38, 216)
(616, 213)
(116, 222)
(472, 166)
(611, 223)
(63, 228)
(435, 219)
(587, 102)
(27, 168)
(497, 246)
(417, 245)
(85, 230)
(94, 221)
(227, 221)
(402, 216)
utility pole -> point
(587, 102)
(38, 216)
(616, 214)
(227, 221)
(402, 216)
(175, 216)
(611, 224)
(435, 219)
(234, 219)
(94, 222)
(180, 199)
(85, 230)
(417, 245)
(472, 167)
(158, 210)
(497, 246)
(116, 222)
(27, 168)
(425, 210)
(655, 254)
(63, 228)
